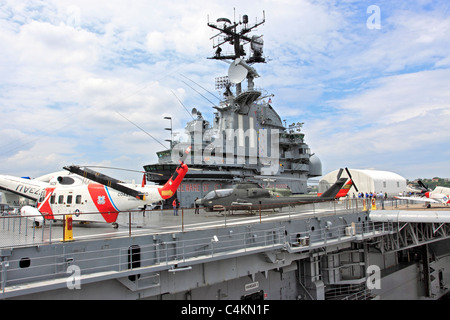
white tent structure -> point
(368, 181)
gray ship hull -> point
(329, 252)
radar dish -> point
(194, 112)
(224, 20)
(237, 72)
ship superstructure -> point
(247, 140)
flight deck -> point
(17, 231)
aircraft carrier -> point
(338, 250)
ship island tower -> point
(247, 140)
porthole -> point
(24, 263)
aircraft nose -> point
(427, 194)
(199, 202)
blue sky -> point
(369, 98)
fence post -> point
(182, 219)
(42, 233)
(129, 223)
(260, 213)
(49, 232)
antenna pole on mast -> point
(237, 35)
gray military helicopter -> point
(251, 196)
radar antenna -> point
(228, 32)
(236, 34)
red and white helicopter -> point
(88, 195)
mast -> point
(236, 35)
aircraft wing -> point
(422, 199)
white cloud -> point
(156, 42)
(399, 98)
(400, 117)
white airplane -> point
(86, 194)
(438, 195)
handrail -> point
(19, 231)
(158, 254)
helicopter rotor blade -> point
(123, 169)
(353, 181)
(339, 174)
(425, 187)
(105, 180)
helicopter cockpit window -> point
(224, 192)
(210, 195)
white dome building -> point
(368, 181)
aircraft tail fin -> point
(345, 189)
(171, 186)
(334, 189)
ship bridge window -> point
(305, 151)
